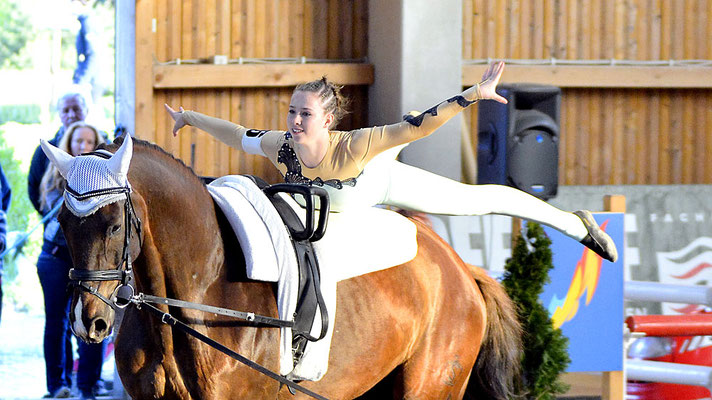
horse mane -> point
(144, 144)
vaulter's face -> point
(306, 119)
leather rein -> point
(124, 293)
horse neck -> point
(183, 250)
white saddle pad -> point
(390, 240)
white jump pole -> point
(655, 291)
(658, 371)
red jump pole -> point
(671, 325)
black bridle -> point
(124, 293)
(123, 272)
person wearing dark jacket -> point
(45, 189)
(71, 108)
(5, 197)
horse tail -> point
(497, 369)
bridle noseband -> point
(123, 272)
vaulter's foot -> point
(597, 240)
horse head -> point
(103, 231)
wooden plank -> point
(249, 29)
(211, 28)
(346, 26)
(584, 42)
(467, 33)
(258, 75)
(653, 129)
(515, 39)
(675, 137)
(700, 29)
(308, 31)
(538, 38)
(607, 110)
(525, 25)
(608, 31)
(143, 121)
(655, 29)
(320, 36)
(595, 31)
(500, 30)
(687, 132)
(296, 27)
(271, 31)
(642, 35)
(223, 32)
(360, 37)
(706, 111)
(261, 27)
(173, 30)
(283, 36)
(332, 25)
(161, 16)
(664, 165)
(490, 21)
(598, 76)
(548, 26)
(572, 26)
(595, 138)
(665, 30)
(618, 151)
(237, 37)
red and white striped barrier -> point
(669, 325)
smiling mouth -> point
(297, 130)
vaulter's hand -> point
(486, 89)
(177, 117)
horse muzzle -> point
(90, 319)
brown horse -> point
(433, 328)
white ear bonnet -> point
(91, 175)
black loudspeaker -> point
(518, 142)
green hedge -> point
(20, 113)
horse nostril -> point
(99, 326)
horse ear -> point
(119, 162)
(61, 159)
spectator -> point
(71, 107)
(53, 268)
(5, 196)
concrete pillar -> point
(416, 47)
(125, 83)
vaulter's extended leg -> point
(419, 190)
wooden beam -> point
(257, 75)
(598, 76)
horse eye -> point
(114, 229)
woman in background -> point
(53, 268)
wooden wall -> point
(195, 29)
(620, 125)
(645, 131)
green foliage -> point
(15, 33)
(20, 113)
(21, 216)
(545, 348)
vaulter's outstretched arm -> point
(368, 142)
(233, 135)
